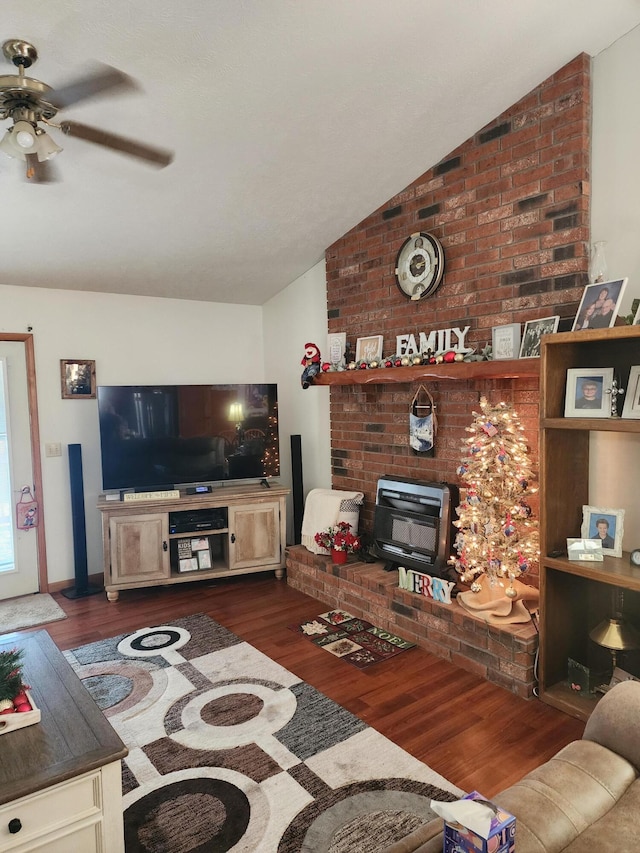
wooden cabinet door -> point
(254, 535)
(139, 548)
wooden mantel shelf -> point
(461, 371)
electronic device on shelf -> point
(164, 436)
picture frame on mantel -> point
(78, 378)
(370, 348)
(599, 305)
(505, 341)
(533, 332)
(337, 348)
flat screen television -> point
(164, 436)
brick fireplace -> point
(511, 209)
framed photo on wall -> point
(78, 379)
(505, 341)
(369, 349)
(599, 305)
(605, 526)
(533, 332)
(631, 408)
(586, 392)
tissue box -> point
(502, 835)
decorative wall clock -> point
(419, 265)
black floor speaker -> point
(82, 587)
(297, 489)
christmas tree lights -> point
(496, 534)
(270, 457)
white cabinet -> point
(83, 814)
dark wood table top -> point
(73, 736)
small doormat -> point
(354, 640)
(29, 611)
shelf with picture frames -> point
(577, 596)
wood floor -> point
(475, 734)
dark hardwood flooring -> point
(474, 733)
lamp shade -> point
(615, 634)
(24, 137)
(46, 147)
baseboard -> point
(94, 580)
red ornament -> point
(326, 366)
(23, 708)
(449, 357)
(363, 366)
(20, 698)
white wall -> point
(296, 316)
(615, 165)
(133, 340)
(615, 217)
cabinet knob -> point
(233, 538)
(15, 825)
(164, 546)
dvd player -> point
(197, 520)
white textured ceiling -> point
(291, 120)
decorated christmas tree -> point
(496, 534)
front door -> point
(18, 548)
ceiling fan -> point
(29, 104)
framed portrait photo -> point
(605, 526)
(631, 408)
(599, 305)
(533, 332)
(369, 349)
(587, 394)
(78, 379)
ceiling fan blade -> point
(104, 78)
(156, 156)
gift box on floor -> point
(491, 830)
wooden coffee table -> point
(60, 779)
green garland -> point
(10, 673)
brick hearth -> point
(503, 655)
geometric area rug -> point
(229, 751)
(352, 639)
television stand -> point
(164, 542)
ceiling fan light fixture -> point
(6, 145)
(46, 147)
(24, 137)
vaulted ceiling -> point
(290, 121)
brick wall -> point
(511, 208)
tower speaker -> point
(82, 587)
(297, 489)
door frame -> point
(36, 465)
